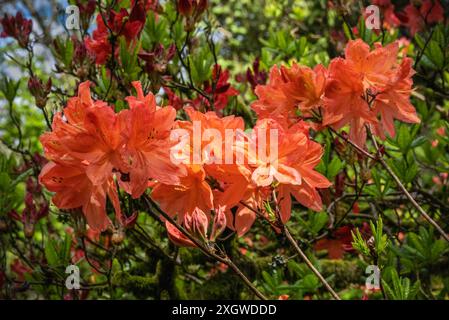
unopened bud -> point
(200, 223)
(219, 223)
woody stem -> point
(225, 259)
(309, 264)
(404, 190)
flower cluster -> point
(17, 27)
(367, 87)
(216, 93)
(192, 11)
(94, 151)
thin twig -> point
(309, 264)
(357, 147)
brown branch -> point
(309, 264)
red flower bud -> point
(17, 27)
(14, 215)
(39, 91)
(185, 7)
(29, 202)
(157, 60)
(255, 76)
(28, 229)
(192, 10)
(87, 9)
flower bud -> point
(16, 27)
(39, 91)
(219, 223)
(129, 222)
(200, 223)
(192, 10)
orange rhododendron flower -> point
(251, 202)
(345, 103)
(191, 193)
(84, 149)
(293, 168)
(74, 189)
(91, 144)
(305, 86)
(393, 102)
(272, 102)
(147, 131)
(287, 164)
(216, 152)
(368, 88)
(290, 90)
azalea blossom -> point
(146, 128)
(83, 147)
(92, 149)
(293, 169)
(368, 87)
(290, 92)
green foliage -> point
(399, 288)
(374, 247)
(421, 250)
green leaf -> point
(269, 279)
(5, 181)
(359, 243)
(403, 139)
(347, 31)
(9, 89)
(334, 168)
(317, 221)
(21, 177)
(419, 141)
(50, 253)
(435, 54)
(65, 254)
